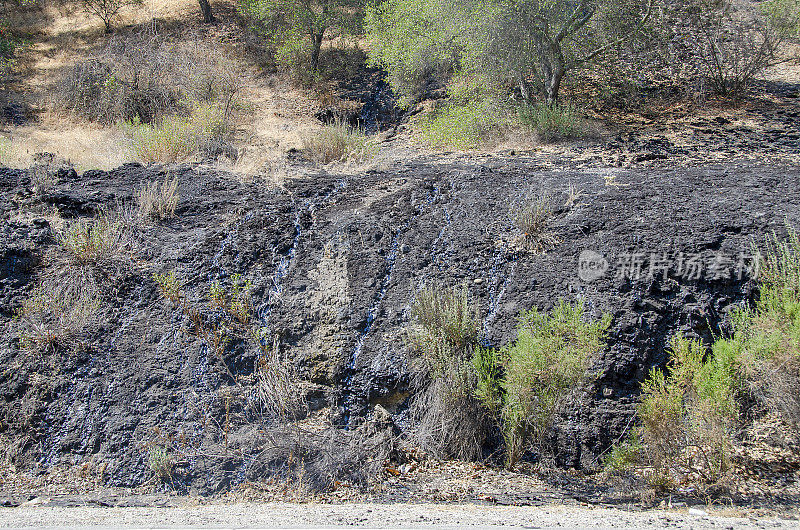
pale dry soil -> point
(284, 515)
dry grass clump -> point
(451, 423)
(277, 394)
(98, 242)
(158, 200)
(338, 142)
(60, 312)
(308, 461)
(532, 217)
(45, 171)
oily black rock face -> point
(334, 264)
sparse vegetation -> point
(60, 313)
(532, 217)
(158, 200)
(277, 392)
(99, 241)
(44, 173)
(107, 10)
(338, 142)
(160, 463)
(174, 138)
(693, 413)
(145, 79)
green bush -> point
(458, 126)
(549, 358)
(551, 122)
(690, 414)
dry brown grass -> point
(158, 200)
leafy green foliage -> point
(550, 356)
(551, 122)
(530, 44)
(458, 126)
(691, 413)
(688, 413)
(295, 29)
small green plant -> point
(169, 286)
(160, 463)
(158, 200)
(95, 241)
(338, 142)
(624, 456)
(551, 121)
(531, 217)
(241, 301)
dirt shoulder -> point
(283, 515)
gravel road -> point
(280, 515)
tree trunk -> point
(553, 84)
(553, 70)
(205, 9)
(524, 88)
(317, 43)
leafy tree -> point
(531, 44)
(297, 27)
(107, 10)
(730, 43)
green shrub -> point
(338, 142)
(549, 358)
(691, 414)
(688, 414)
(552, 121)
(458, 126)
(176, 138)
